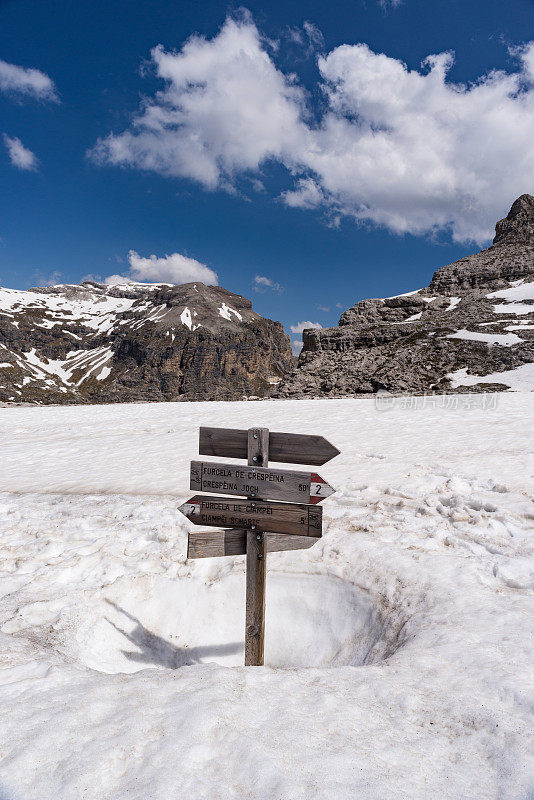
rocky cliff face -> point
(96, 343)
(471, 329)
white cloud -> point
(20, 156)
(406, 149)
(52, 280)
(323, 308)
(25, 82)
(387, 4)
(525, 54)
(301, 326)
(173, 268)
(309, 37)
(262, 282)
(306, 195)
(409, 150)
(225, 110)
(315, 36)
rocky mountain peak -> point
(471, 329)
(91, 342)
(518, 225)
(509, 258)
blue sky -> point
(312, 144)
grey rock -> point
(409, 344)
(92, 343)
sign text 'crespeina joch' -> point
(274, 509)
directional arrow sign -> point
(290, 448)
(275, 484)
(228, 542)
(260, 515)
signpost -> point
(277, 484)
(276, 510)
(255, 515)
(289, 448)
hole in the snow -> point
(311, 621)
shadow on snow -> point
(155, 650)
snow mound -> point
(139, 623)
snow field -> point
(400, 645)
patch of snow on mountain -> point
(99, 356)
(157, 313)
(413, 318)
(514, 308)
(519, 379)
(103, 374)
(185, 318)
(521, 291)
(86, 360)
(92, 310)
(225, 312)
(405, 294)
(47, 323)
(502, 339)
(453, 303)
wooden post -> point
(258, 455)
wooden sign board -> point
(274, 484)
(256, 526)
(209, 544)
(290, 448)
(261, 515)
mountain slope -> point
(471, 329)
(97, 343)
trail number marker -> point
(277, 484)
(276, 509)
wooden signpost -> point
(253, 514)
(277, 484)
(277, 509)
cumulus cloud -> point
(262, 282)
(20, 156)
(301, 326)
(225, 110)
(23, 82)
(403, 148)
(173, 268)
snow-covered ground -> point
(399, 648)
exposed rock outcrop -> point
(471, 329)
(96, 343)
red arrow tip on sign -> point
(319, 489)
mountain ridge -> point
(470, 329)
(91, 342)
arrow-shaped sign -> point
(290, 448)
(264, 482)
(260, 515)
